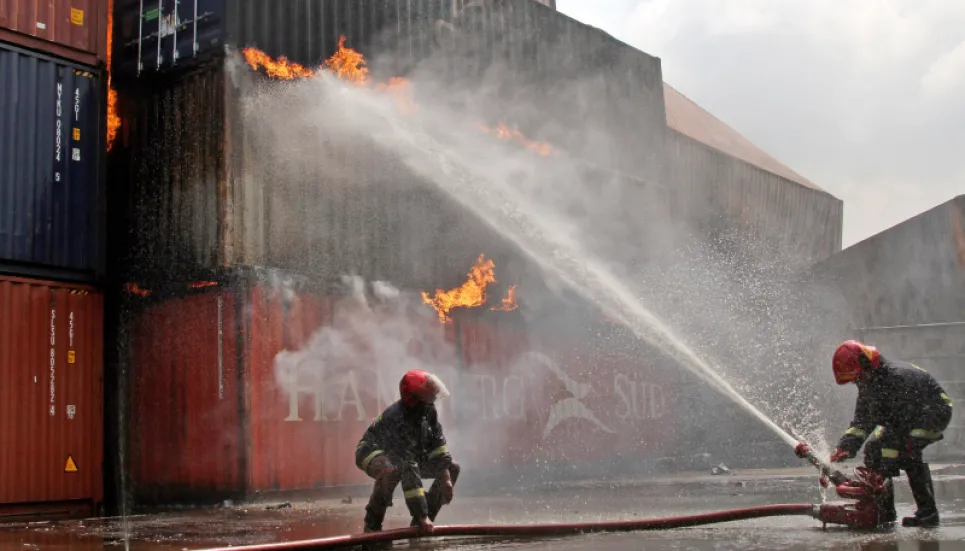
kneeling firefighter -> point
(901, 409)
(405, 444)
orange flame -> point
(202, 284)
(400, 88)
(504, 132)
(113, 120)
(348, 64)
(470, 294)
(508, 303)
(135, 289)
(275, 68)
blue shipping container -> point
(52, 132)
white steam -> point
(357, 358)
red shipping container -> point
(72, 29)
(51, 407)
(210, 418)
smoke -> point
(376, 334)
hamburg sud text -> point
(513, 400)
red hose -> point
(526, 530)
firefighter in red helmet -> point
(901, 409)
(406, 444)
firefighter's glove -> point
(839, 456)
(425, 526)
(802, 450)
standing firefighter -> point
(901, 409)
(405, 444)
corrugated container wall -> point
(51, 167)
(215, 416)
(779, 217)
(910, 274)
(195, 192)
(557, 79)
(51, 412)
(72, 29)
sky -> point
(866, 98)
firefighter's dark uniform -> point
(405, 445)
(901, 409)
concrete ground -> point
(570, 501)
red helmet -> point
(421, 386)
(851, 358)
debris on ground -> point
(285, 505)
(721, 470)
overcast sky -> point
(866, 98)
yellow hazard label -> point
(71, 467)
(77, 134)
(77, 16)
(71, 356)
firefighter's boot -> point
(922, 489)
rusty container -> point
(51, 361)
(72, 29)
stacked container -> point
(52, 152)
(200, 212)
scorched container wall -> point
(51, 416)
(52, 132)
(72, 29)
(194, 193)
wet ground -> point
(585, 501)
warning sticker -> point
(71, 467)
(77, 17)
(71, 356)
(77, 134)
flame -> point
(505, 132)
(275, 68)
(113, 120)
(135, 289)
(508, 303)
(202, 284)
(348, 64)
(401, 89)
(470, 294)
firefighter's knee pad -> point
(454, 470)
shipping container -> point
(51, 410)
(197, 190)
(910, 274)
(75, 29)
(798, 224)
(52, 131)
(215, 411)
(555, 78)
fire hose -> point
(534, 530)
(865, 488)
